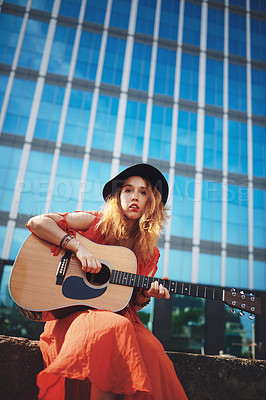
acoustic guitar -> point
(47, 287)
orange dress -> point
(117, 353)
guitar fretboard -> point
(144, 282)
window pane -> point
(183, 207)
(20, 234)
(215, 32)
(237, 87)
(214, 82)
(160, 135)
(209, 269)
(49, 114)
(70, 8)
(95, 12)
(44, 5)
(145, 16)
(113, 62)
(211, 211)
(259, 220)
(9, 164)
(259, 275)
(237, 34)
(105, 123)
(237, 224)
(237, 272)
(179, 265)
(61, 50)
(258, 45)
(259, 149)
(258, 91)
(78, 117)
(192, 19)
(140, 67)
(169, 19)
(134, 128)
(120, 13)
(165, 72)
(87, 60)
(237, 147)
(9, 33)
(189, 77)
(33, 44)
(186, 137)
(36, 183)
(98, 175)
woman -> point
(97, 354)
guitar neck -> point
(188, 289)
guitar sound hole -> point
(101, 278)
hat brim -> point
(146, 171)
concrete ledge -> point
(203, 377)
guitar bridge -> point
(62, 268)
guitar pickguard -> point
(75, 288)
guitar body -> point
(34, 287)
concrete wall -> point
(203, 377)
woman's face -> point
(134, 197)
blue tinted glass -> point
(237, 87)
(20, 234)
(95, 12)
(259, 275)
(259, 220)
(78, 117)
(179, 268)
(145, 16)
(61, 50)
(67, 184)
(44, 5)
(134, 128)
(237, 273)
(169, 19)
(237, 34)
(9, 164)
(98, 175)
(105, 123)
(9, 33)
(140, 67)
(259, 5)
(189, 77)
(258, 91)
(160, 134)
(113, 62)
(19, 2)
(19, 107)
(186, 137)
(192, 19)
(213, 143)
(87, 60)
(2, 238)
(165, 72)
(259, 149)
(70, 8)
(237, 217)
(36, 183)
(258, 44)
(237, 147)
(209, 269)
(33, 44)
(120, 13)
(214, 82)
(183, 206)
(215, 32)
(211, 211)
(3, 83)
(241, 3)
(49, 114)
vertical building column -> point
(249, 149)
(121, 114)
(199, 145)
(62, 122)
(171, 180)
(30, 127)
(94, 105)
(145, 152)
(225, 147)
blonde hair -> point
(113, 223)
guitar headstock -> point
(242, 301)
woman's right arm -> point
(46, 227)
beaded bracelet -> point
(65, 239)
(134, 300)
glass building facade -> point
(88, 88)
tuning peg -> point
(241, 314)
(242, 292)
(251, 317)
(232, 311)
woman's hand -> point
(157, 290)
(89, 263)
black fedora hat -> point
(146, 171)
